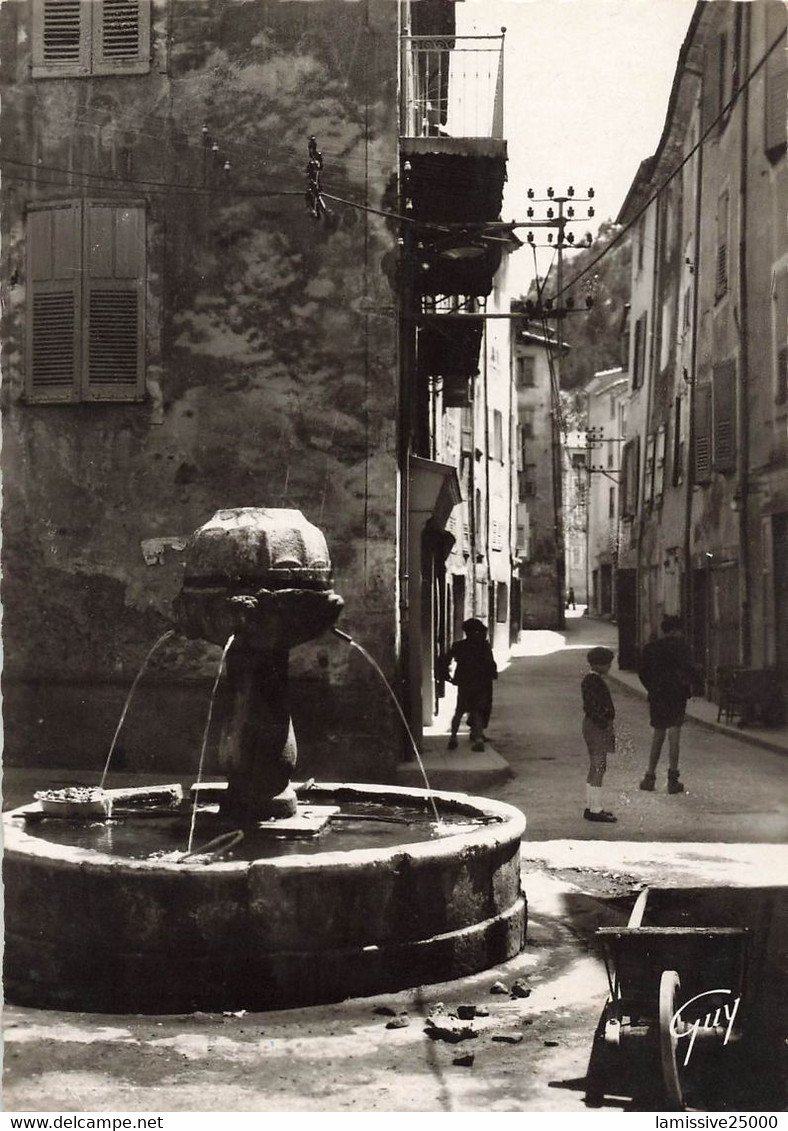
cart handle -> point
(639, 910)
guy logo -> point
(711, 1022)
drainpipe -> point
(511, 467)
(743, 489)
(406, 346)
(490, 627)
(648, 389)
(472, 500)
(689, 595)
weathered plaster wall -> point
(271, 374)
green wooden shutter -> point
(53, 303)
(114, 292)
(121, 37)
(776, 92)
(724, 386)
(61, 37)
(703, 434)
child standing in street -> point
(666, 671)
(598, 716)
(474, 672)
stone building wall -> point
(270, 372)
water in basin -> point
(357, 826)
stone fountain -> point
(263, 577)
(88, 928)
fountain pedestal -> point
(262, 576)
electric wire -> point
(152, 185)
(671, 176)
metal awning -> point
(434, 491)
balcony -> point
(452, 145)
(453, 170)
(452, 87)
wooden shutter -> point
(776, 93)
(648, 479)
(121, 37)
(114, 293)
(53, 302)
(637, 347)
(724, 386)
(678, 445)
(703, 434)
(630, 474)
(711, 86)
(639, 357)
(661, 442)
(779, 295)
(466, 430)
(721, 275)
(61, 37)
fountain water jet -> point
(90, 930)
(371, 660)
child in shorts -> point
(598, 716)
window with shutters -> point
(526, 372)
(724, 415)
(72, 38)
(702, 438)
(86, 302)
(526, 482)
(776, 86)
(721, 272)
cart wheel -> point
(669, 986)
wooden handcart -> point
(670, 988)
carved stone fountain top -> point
(258, 546)
(261, 573)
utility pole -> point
(559, 214)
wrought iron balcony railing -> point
(452, 86)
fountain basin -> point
(86, 930)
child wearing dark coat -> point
(474, 672)
(598, 716)
(666, 671)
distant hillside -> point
(595, 335)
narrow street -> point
(734, 792)
(715, 847)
